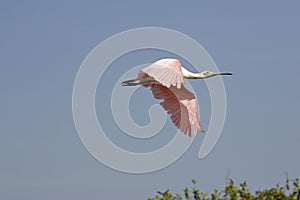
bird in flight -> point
(165, 78)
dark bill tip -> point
(226, 73)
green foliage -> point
(233, 192)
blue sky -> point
(43, 45)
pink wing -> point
(165, 71)
(181, 104)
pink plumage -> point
(181, 105)
(165, 71)
(166, 81)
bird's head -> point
(207, 73)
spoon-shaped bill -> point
(223, 73)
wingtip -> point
(200, 127)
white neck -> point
(190, 75)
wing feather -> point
(166, 71)
(181, 105)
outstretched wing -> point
(165, 71)
(181, 105)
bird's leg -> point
(132, 82)
(129, 81)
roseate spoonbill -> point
(165, 78)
